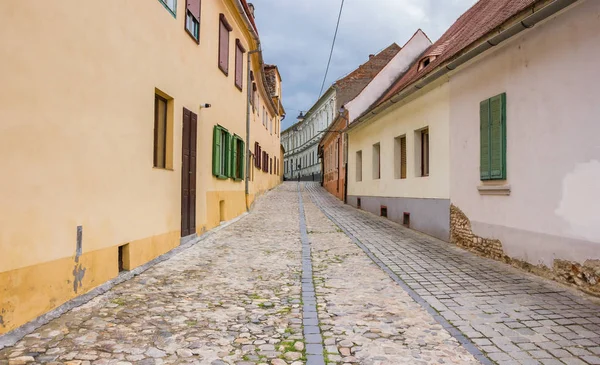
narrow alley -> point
(384, 295)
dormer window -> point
(426, 61)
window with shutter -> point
(237, 160)
(224, 29)
(239, 64)
(492, 158)
(425, 152)
(192, 19)
(400, 157)
(220, 145)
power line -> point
(332, 47)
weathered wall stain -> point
(585, 277)
(78, 273)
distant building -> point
(301, 140)
(334, 145)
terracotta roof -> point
(352, 84)
(479, 20)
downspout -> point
(528, 22)
(248, 107)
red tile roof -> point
(479, 20)
(352, 84)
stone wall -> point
(585, 277)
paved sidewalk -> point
(512, 317)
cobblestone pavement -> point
(512, 317)
(365, 317)
(233, 298)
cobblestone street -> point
(511, 317)
(383, 294)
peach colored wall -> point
(550, 76)
(77, 134)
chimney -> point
(251, 7)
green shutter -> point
(234, 157)
(497, 137)
(228, 155)
(216, 151)
(484, 138)
(242, 158)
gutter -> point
(528, 22)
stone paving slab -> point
(232, 299)
(365, 317)
(511, 316)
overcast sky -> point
(296, 35)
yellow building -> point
(123, 131)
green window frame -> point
(173, 11)
(221, 153)
(492, 158)
(238, 148)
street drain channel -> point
(310, 318)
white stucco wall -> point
(430, 109)
(550, 76)
(302, 143)
(397, 66)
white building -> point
(301, 140)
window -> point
(224, 29)
(492, 158)
(237, 158)
(376, 161)
(336, 157)
(192, 19)
(239, 64)
(160, 131)
(400, 157)
(359, 166)
(425, 152)
(221, 152)
(171, 5)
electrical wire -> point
(332, 47)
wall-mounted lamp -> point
(206, 106)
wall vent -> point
(383, 211)
(358, 203)
(406, 219)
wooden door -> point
(188, 173)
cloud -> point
(297, 35)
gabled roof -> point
(352, 84)
(481, 19)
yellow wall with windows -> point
(77, 134)
(429, 109)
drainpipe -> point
(248, 107)
(536, 16)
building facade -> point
(124, 128)
(301, 141)
(480, 142)
(334, 145)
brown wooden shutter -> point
(193, 6)
(403, 158)
(239, 64)
(224, 29)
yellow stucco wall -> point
(427, 109)
(76, 133)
